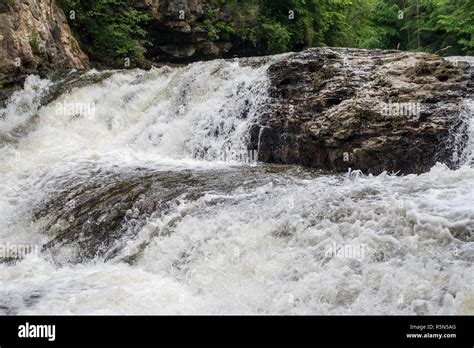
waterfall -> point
(202, 111)
(150, 157)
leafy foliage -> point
(458, 24)
(35, 43)
(277, 37)
(114, 29)
(109, 30)
(443, 26)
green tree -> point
(458, 24)
(109, 30)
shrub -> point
(34, 43)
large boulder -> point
(372, 110)
(34, 38)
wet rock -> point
(96, 215)
(34, 38)
(373, 110)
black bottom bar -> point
(452, 331)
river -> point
(239, 237)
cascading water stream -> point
(238, 238)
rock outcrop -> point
(177, 33)
(372, 110)
(96, 217)
(34, 38)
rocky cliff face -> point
(177, 33)
(376, 111)
(34, 38)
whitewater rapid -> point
(283, 240)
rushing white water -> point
(291, 242)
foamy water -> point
(286, 242)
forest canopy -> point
(418, 25)
(114, 29)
